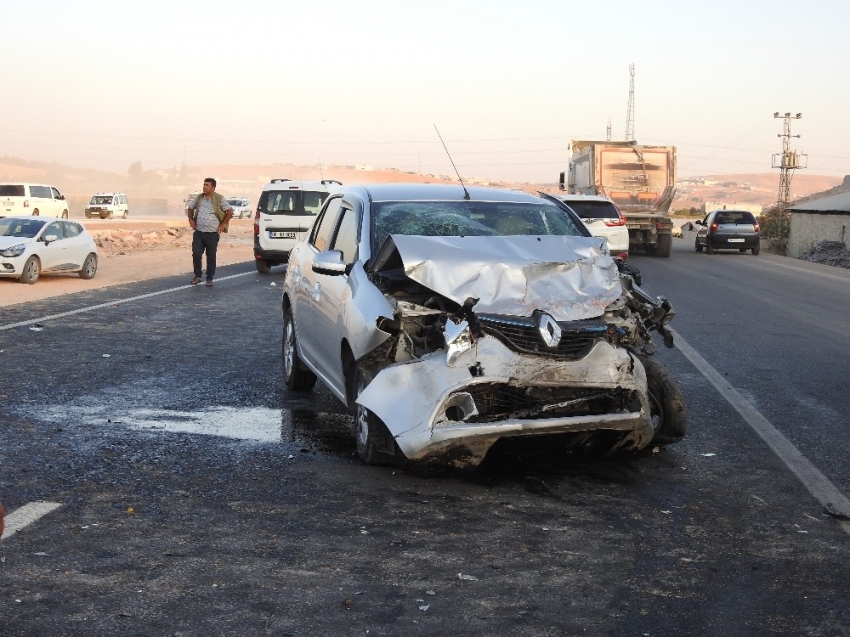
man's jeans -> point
(204, 241)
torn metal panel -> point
(570, 277)
(361, 313)
(452, 405)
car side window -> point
(71, 229)
(55, 228)
(325, 225)
(56, 194)
(346, 236)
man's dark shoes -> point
(196, 280)
(209, 283)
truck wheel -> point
(665, 245)
(667, 405)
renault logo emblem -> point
(550, 331)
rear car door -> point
(59, 203)
(77, 246)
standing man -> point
(208, 215)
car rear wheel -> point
(31, 272)
(126, 214)
(263, 266)
(375, 444)
(35, 212)
(665, 245)
(295, 375)
(756, 249)
(667, 405)
(64, 214)
(89, 267)
(708, 247)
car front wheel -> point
(375, 444)
(89, 267)
(32, 270)
(295, 375)
(667, 405)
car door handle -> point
(317, 292)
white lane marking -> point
(26, 515)
(816, 482)
(91, 308)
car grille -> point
(499, 401)
(522, 335)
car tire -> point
(756, 249)
(708, 247)
(35, 212)
(665, 245)
(667, 404)
(375, 444)
(64, 214)
(697, 246)
(295, 375)
(263, 266)
(89, 267)
(31, 271)
(126, 214)
(110, 214)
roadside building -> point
(826, 219)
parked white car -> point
(285, 212)
(241, 208)
(603, 219)
(38, 200)
(31, 247)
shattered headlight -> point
(14, 251)
(458, 340)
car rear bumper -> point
(733, 242)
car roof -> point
(439, 192)
(294, 184)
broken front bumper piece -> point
(488, 392)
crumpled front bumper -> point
(430, 407)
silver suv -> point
(285, 212)
(447, 318)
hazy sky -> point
(508, 84)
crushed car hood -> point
(571, 278)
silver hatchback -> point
(447, 318)
(728, 230)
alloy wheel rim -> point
(288, 350)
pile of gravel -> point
(830, 253)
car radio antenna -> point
(465, 191)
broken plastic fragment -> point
(107, 355)
(36, 329)
(425, 607)
(467, 578)
(707, 455)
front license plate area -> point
(281, 235)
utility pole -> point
(608, 134)
(788, 160)
(630, 114)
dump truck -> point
(640, 180)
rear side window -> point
(41, 191)
(734, 216)
(594, 209)
(12, 190)
(72, 229)
(292, 202)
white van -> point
(38, 200)
(285, 212)
(108, 205)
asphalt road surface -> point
(185, 492)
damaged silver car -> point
(447, 318)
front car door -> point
(59, 204)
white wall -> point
(809, 229)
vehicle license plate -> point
(282, 235)
(736, 241)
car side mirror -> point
(330, 263)
(50, 238)
(698, 222)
